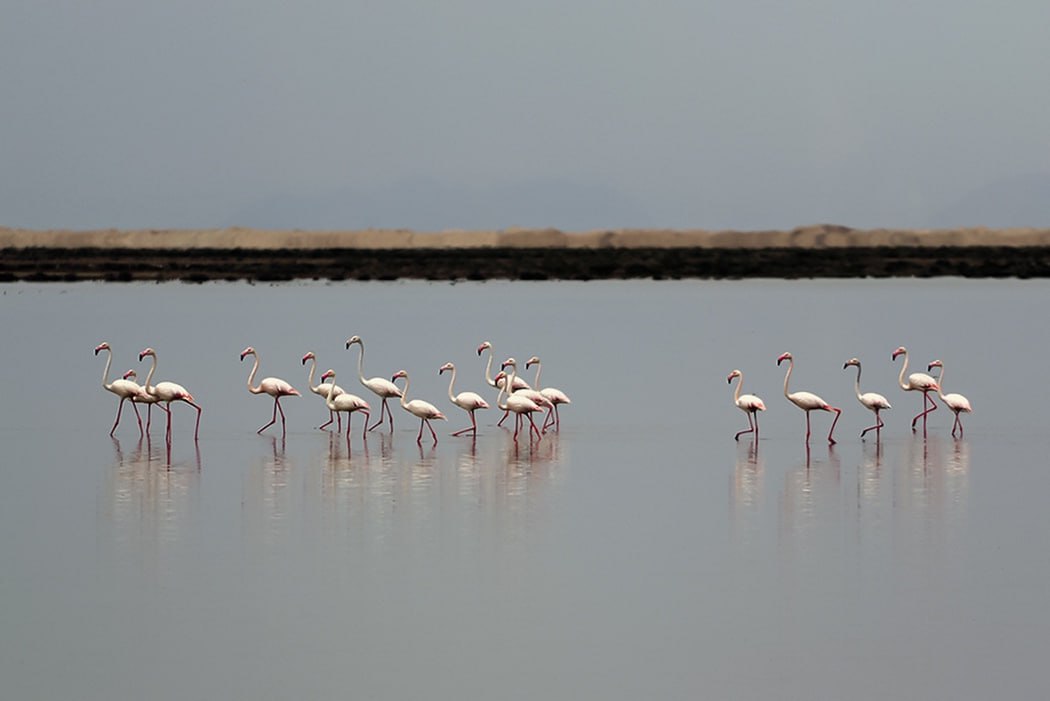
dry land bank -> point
(231, 254)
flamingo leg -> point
(750, 428)
(137, 415)
(197, 428)
(390, 418)
(331, 418)
(120, 407)
(533, 429)
(364, 431)
(505, 415)
(382, 415)
(277, 401)
(419, 437)
(149, 417)
(877, 427)
(273, 419)
(755, 414)
(339, 421)
(167, 433)
(838, 413)
(432, 433)
(517, 425)
(807, 427)
(473, 426)
(549, 418)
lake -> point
(639, 552)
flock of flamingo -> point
(515, 395)
(874, 402)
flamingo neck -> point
(536, 382)
(105, 372)
(310, 379)
(330, 399)
(736, 394)
(148, 387)
(856, 384)
(251, 376)
(787, 377)
(904, 369)
(940, 383)
(508, 382)
(404, 393)
(361, 363)
(488, 370)
(451, 382)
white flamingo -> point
(168, 392)
(143, 397)
(519, 383)
(807, 401)
(321, 391)
(750, 404)
(381, 387)
(917, 382)
(874, 401)
(518, 403)
(424, 411)
(123, 388)
(467, 401)
(273, 386)
(956, 402)
(552, 394)
(344, 403)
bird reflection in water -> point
(811, 494)
(745, 489)
(937, 479)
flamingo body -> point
(322, 391)
(424, 411)
(917, 382)
(750, 404)
(518, 403)
(123, 388)
(379, 386)
(273, 386)
(345, 403)
(872, 401)
(956, 402)
(807, 401)
(467, 401)
(552, 394)
(168, 392)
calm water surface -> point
(640, 553)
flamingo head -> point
(328, 373)
(735, 373)
(783, 357)
(851, 361)
(901, 350)
(148, 351)
(309, 356)
(399, 373)
(534, 360)
(485, 345)
(352, 340)
(446, 366)
(130, 373)
(934, 364)
(502, 376)
(246, 352)
(101, 347)
(509, 361)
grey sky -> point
(474, 113)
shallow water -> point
(638, 553)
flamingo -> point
(169, 392)
(321, 391)
(807, 401)
(143, 397)
(123, 388)
(552, 394)
(381, 387)
(518, 403)
(917, 382)
(467, 401)
(955, 402)
(747, 403)
(519, 383)
(425, 411)
(344, 402)
(872, 400)
(273, 386)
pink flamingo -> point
(123, 388)
(321, 391)
(345, 403)
(143, 397)
(747, 403)
(519, 383)
(552, 394)
(168, 392)
(917, 382)
(467, 401)
(382, 388)
(518, 403)
(273, 386)
(872, 400)
(807, 401)
(424, 411)
(956, 402)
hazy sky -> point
(478, 113)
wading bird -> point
(467, 401)
(872, 400)
(123, 388)
(747, 403)
(273, 386)
(552, 394)
(807, 401)
(381, 387)
(518, 403)
(956, 402)
(345, 403)
(168, 392)
(321, 391)
(424, 411)
(917, 382)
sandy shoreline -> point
(546, 254)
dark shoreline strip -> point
(200, 265)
